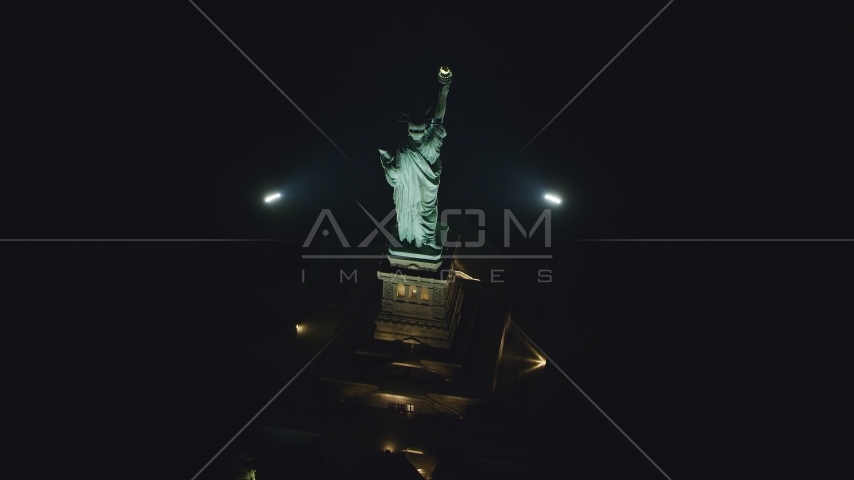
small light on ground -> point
(270, 198)
(552, 198)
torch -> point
(445, 75)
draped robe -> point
(414, 174)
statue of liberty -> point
(414, 173)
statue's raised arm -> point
(445, 77)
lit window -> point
(425, 293)
(410, 408)
(401, 290)
(413, 292)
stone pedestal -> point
(419, 306)
(412, 257)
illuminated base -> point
(420, 349)
(420, 301)
(424, 377)
(418, 309)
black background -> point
(132, 121)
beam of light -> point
(591, 81)
(538, 362)
(465, 276)
(265, 406)
(546, 357)
(272, 197)
(552, 198)
(274, 83)
(406, 365)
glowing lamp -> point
(272, 197)
(445, 75)
(552, 198)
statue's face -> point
(417, 131)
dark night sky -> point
(719, 121)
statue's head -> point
(417, 127)
(416, 131)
